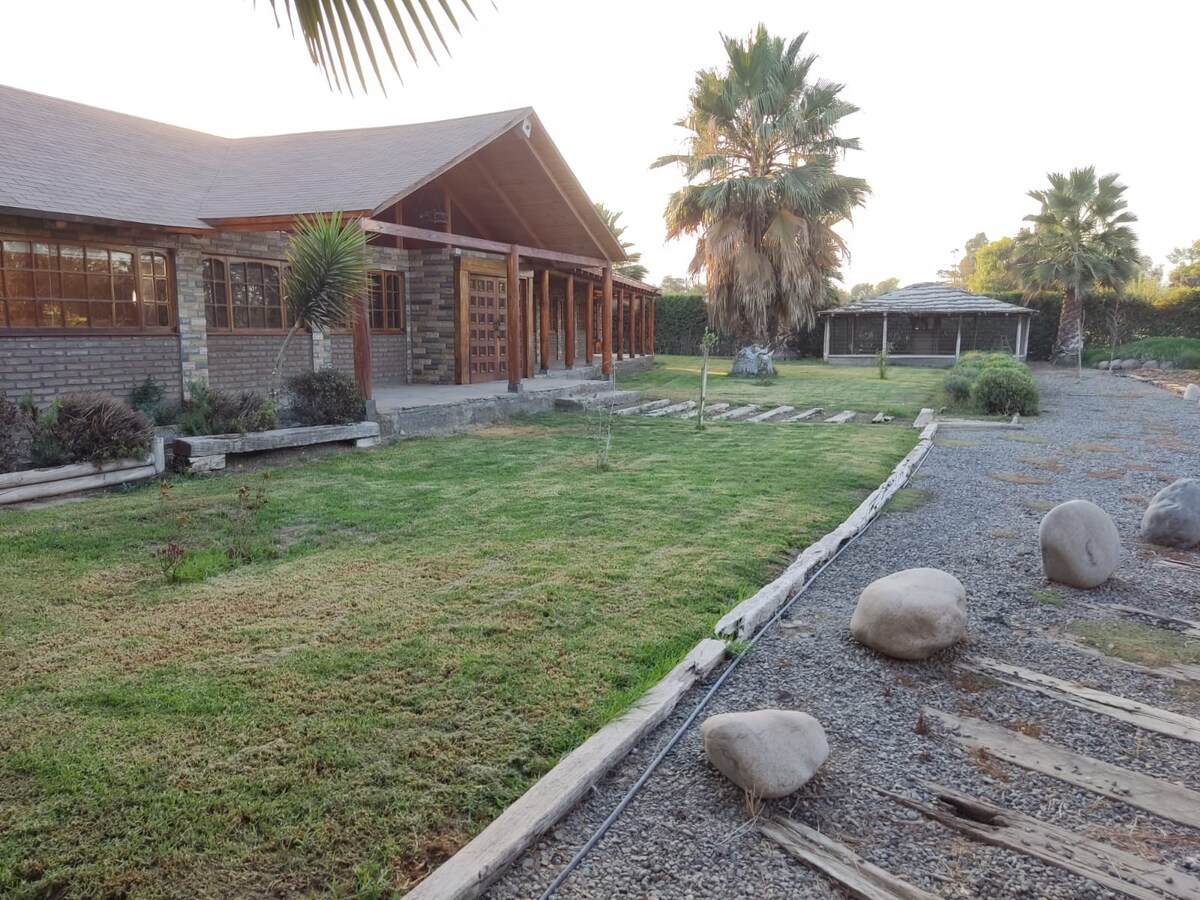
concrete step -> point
(772, 415)
(806, 415)
(841, 418)
(605, 399)
(710, 410)
(736, 415)
(641, 408)
(672, 409)
(924, 417)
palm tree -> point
(763, 192)
(339, 28)
(631, 268)
(327, 277)
(1080, 240)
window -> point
(46, 284)
(243, 295)
(387, 301)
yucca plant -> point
(335, 29)
(327, 277)
(763, 191)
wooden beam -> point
(448, 209)
(621, 325)
(544, 321)
(466, 213)
(507, 201)
(589, 312)
(512, 320)
(569, 324)
(472, 243)
(606, 324)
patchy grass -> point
(1043, 462)
(906, 499)
(799, 383)
(1040, 505)
(1095, 448)
(1135, 642)
(954, 442)
(1018, 478)
(443, 620)
(1048, 597)
(1023, 438)
(1004, 534)
(1164, 349)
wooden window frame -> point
(232, 328)
(136, 274)
(400, 294)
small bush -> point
(327, 397)
(146, 397)
(958, 387)
(216, 412)
(1005, 391)
(14, 435)
(87, 428)
(1188, 360)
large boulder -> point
(769, 752)
(1191, 392)
(911, 614)
(1173, 517)
(753, 362)
(1149, 363)
(1130, 364)
(1080, 544)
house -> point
(924, 324)
(130, 248)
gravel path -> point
(688, 834)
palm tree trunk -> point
(277, 368)
(1069, 342)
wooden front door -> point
(487, 313)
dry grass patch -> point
(1018, 478)
(1023, 438)
(1004, 534)
(1040, 505)
(1138, 643)
(954, 442)
(1045, 463)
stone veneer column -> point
(322, 350)
(193, 329)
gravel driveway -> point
(1107, 439)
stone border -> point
(34, 484)
(751, 614)
(472, 869)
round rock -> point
(1173, 517)
(1191, 392)
(1080, 544)
(911, 614)
(768, 752)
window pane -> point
(101, 314)
(76, 314)
(237, 273)
(160, 265)
(164, 316)
(123, 288)
(16, 255)
(146, 294)
(99, 287)
(22, 314)
(50, 314)
(258, 318)
(47, 284)
(160, 290)
(241, 317)
(73, 286)
(72, 258)
(274, 317)
(239, 294)
(122, 262)
(97, 259)
(127, 315)
(45, 256)
(18, 283)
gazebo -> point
(924, 324)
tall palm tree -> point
(336, 29)
(763, 191)
(1080, 240)
(631, 268)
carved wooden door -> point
(487, 300)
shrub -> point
(216, 412)
(13, 435)
(1188, 360)
(327, 397)
(1005, 391)
(87, 428)
(146, 397)
(958, 387)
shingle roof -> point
(927, 298)
(69, 159)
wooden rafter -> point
(512, 209)
(473, 243)
(567, 200)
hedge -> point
(679, 323)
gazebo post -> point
(828, 322)
(883, 347)
(958, 341)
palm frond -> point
(327, 276)
(338, 32)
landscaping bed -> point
(361, 661)
(802, 384)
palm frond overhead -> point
(338, 33)
(632, 267)
(763, 191)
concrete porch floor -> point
(392, 397)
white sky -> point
(965, 105)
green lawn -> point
(434, 624)
(801, 383)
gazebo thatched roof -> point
(926, 299)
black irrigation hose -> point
(599, 833)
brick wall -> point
(242, 362)
(47, 366)
(389, 357)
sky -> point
(965, 106)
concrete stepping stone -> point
(672, 409)
(772, 414)
(641, 408)
(841, 418)
(735, 415)
(924, 418)
(806, 415)
(880, 418)
(710, 410)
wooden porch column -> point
(645, 325)
(589, 313)
(544, 322)
(633, 325)
(512, 316)
(606, 324)
(569, 320)
(361, 341)
(653, 303)
(620, 325)
(631, 319)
